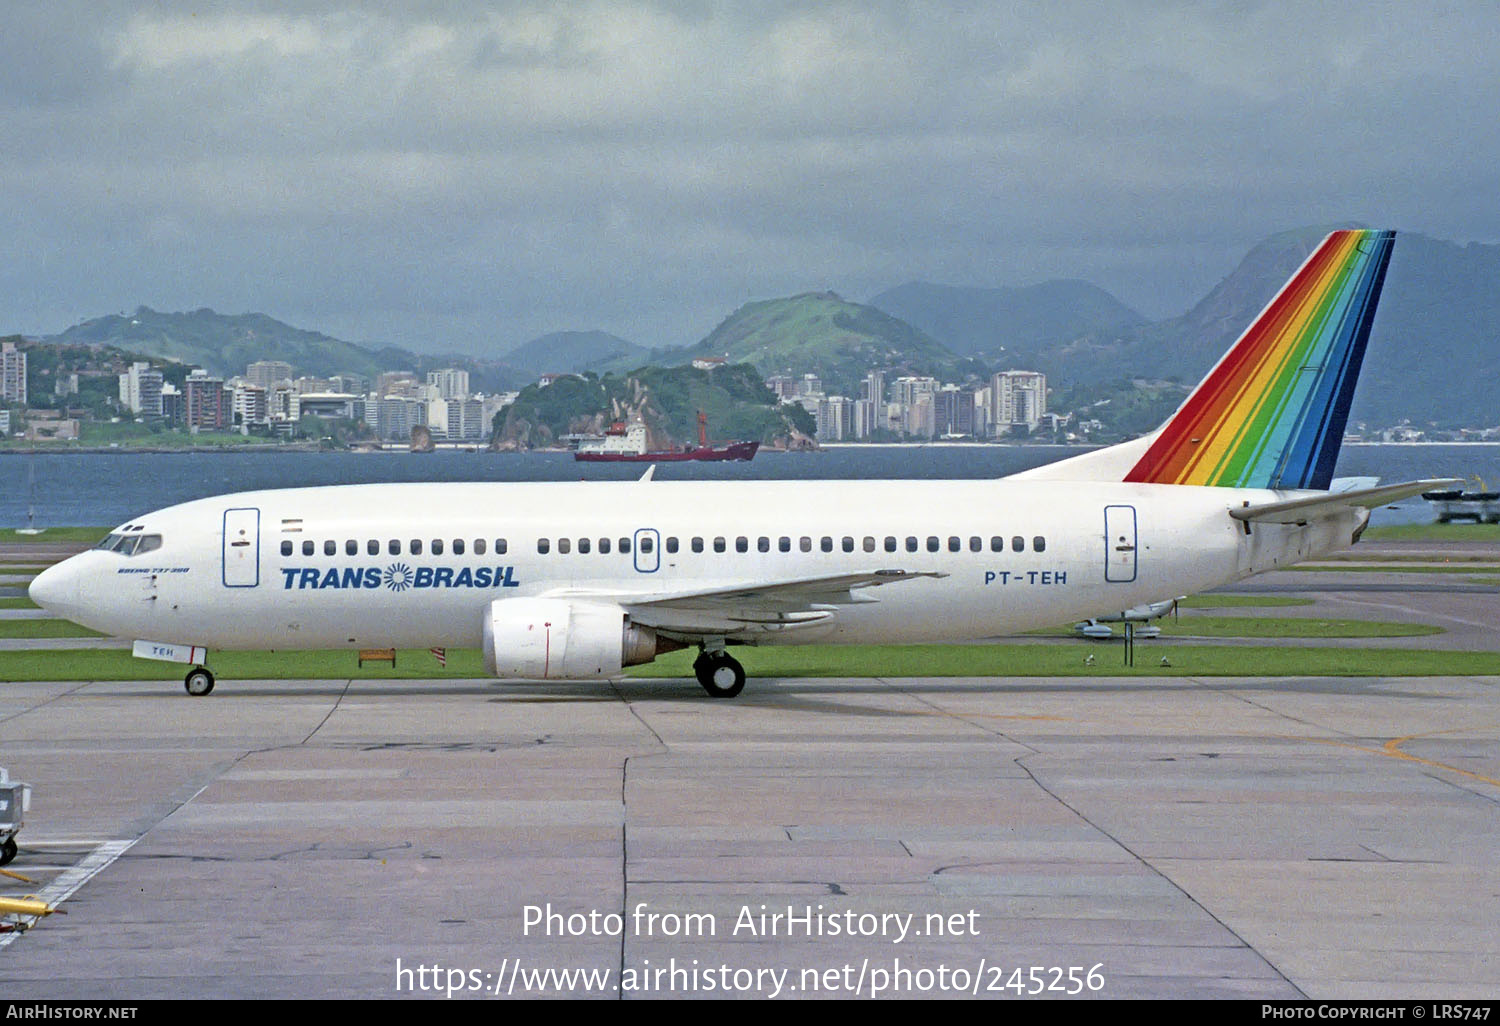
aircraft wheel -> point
(7, 851)
(199, 681)
(724, 677)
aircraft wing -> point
(759, 608)
(1314, 507)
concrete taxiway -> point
(1326, 838)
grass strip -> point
(1370, 568)
(1434, 532)
(10, 536)
(44, 628)
(1236, 601)
(1291, 627)
(1199, 626)
(1000, 661)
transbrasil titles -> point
(397, 577)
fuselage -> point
(419, 564)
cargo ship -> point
(622, 444)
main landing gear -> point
(720, 673)
(199, 681)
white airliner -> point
(575, 581)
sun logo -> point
(398, 577)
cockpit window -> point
(130, 544)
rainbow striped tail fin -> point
(1271, 413)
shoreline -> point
(294, 447)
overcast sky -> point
(466, 176)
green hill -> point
(736, 401)
(824, 334)
(224, 344)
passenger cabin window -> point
(624, 546)
(1039, 544)
(604, 546)
(762, 544)
(672, 543)
(997, 544)
(416, 546)
(500, 547)
(564, 546)
(1018, 544)
(719, 545)
(804, 543)
(372, 547)
(286, 548)
(848, 545)
(742, 544)
(543, 546)
(308, 548)
(437, 546)
(783, 544)
(646, 543)
(696, 545)
(826, 544)
(955, 544)
(890, 543)
(393, 547)
(479, 546)
(933, 543)
(583, 545)
(869, 545)
(351, 547)
(911, 545)
(330, 548)
(458, 546)
(976, 544)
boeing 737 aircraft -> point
(575, 581)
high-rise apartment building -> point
(206, 405)
(265, 373)
(450, 382)
(12, 374)
(140, 390)
(1019, 399)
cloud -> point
(470, 174)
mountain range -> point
(1002, 325)
(1432, 356)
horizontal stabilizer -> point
(1326, 504)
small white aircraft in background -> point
(578, 580)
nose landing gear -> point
(199, 681)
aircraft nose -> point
(55, 589)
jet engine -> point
(561, 639)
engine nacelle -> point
(560, 639)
